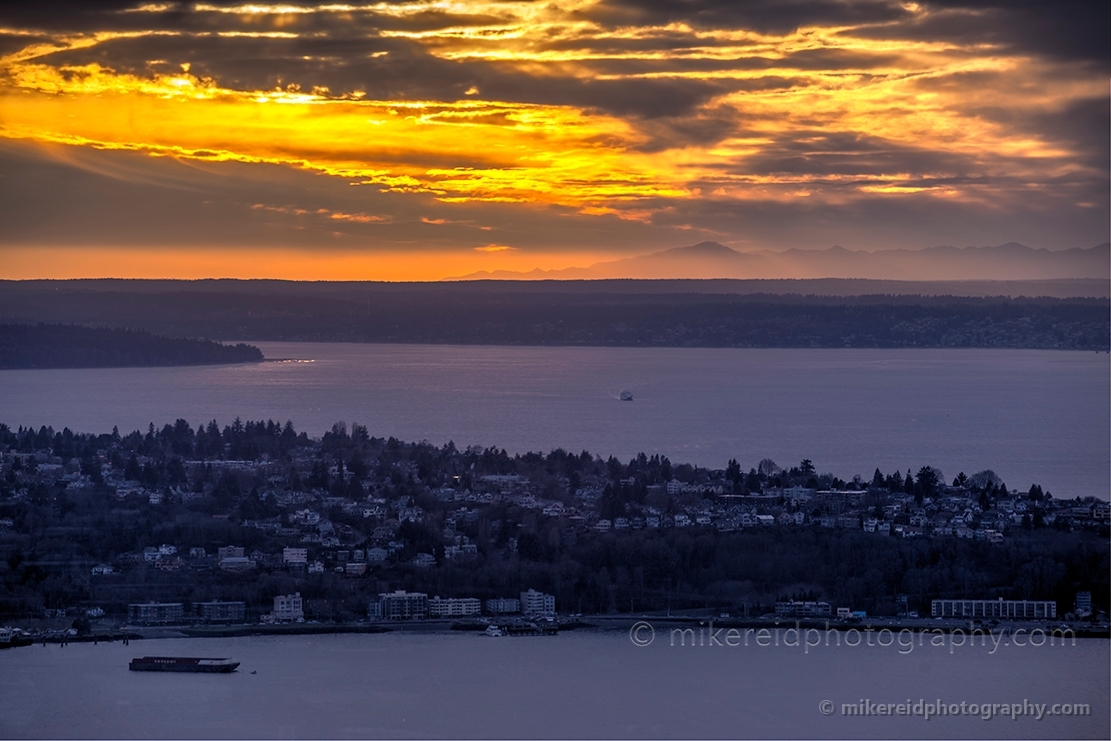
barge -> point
(182, 664)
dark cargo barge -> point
(182, 664)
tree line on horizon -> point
(252, 441)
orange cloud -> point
(478, 150)
(638, 118)
(337, 215)
(515, 152)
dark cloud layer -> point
(773, 16)
(1070, 29)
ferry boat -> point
(493, 631)
(13, 637)
(182, 664)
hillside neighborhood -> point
(257, 511)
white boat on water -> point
(493, 631)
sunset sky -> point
(426, 139)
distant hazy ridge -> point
(619, 313)
(1011, 261)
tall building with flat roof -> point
(288, 607)
(503, 605)
(537, 604)
(401, 605)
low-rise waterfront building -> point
(222, 612)
(454, 607)
(1000, 608)
(156, 613)
(799, 609)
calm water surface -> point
(1032, 416)
(579, 685)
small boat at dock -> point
(182, 664)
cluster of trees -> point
(72, 346)
(237, 441)
(650, 570)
